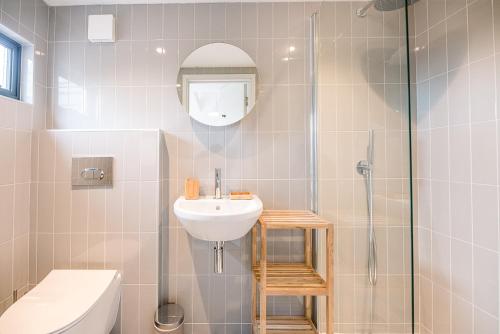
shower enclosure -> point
(360, 160)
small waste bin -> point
(169, 318)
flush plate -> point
(92, 171)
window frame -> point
(15, 70)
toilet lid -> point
(58, 302)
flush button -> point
(92, 171)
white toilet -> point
(67, 301)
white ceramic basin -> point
(213, 219)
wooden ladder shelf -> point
(290, 279)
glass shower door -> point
(363, 162)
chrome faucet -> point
(218, 192)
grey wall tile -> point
(62, 23)
(27, 14)
(480, 20)
(485, 284)
(155, 22)
(473, 172)
(78, 25)
(186, 21)
(124, 22)
(202, 21)
(123, 63)
(452, 6)
(249, 20)
(458, 93)
(280, 20)
(12, 8)
(265, 20)
(437, 49)
(218, 21)
(436, 11)
(234, 21)
(297, 20)
(482, 91)
(41, 19)
(456, 35)
(438, 101)
(484, 165)
(171, 21)
(421, 21)
(139, 22)
(10, 23)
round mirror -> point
(217, 83)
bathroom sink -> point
(213, 219)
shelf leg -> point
(254, 280)
(263, 278)
(329, 266)
(308, 261)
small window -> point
(10, 67)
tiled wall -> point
(101, 228)
(458, 74)
(363, 85)
(15, 156)
(128, 84)
(29, 20)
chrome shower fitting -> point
(361, 12)
(365, 168)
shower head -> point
(384, 5)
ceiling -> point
(111, 2)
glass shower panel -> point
(363, 172)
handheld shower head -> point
(366, 166)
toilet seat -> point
(60, 301)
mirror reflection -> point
(216, 84)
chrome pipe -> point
(313, 135)
(372, 242)
(313, 119)
(219, 257)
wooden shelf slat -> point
(287, 325)
(291, 219)
(296, 279)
